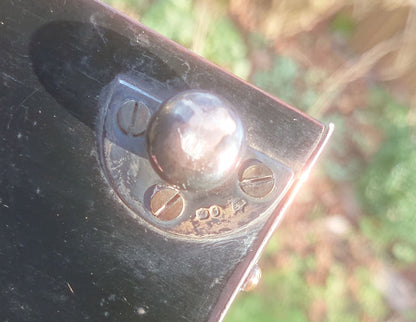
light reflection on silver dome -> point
(195, 140)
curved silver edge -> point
(239, 276)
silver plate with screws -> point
(199, 202)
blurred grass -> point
(367, 178)
(180, 21)
(388, 184)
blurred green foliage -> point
(341, 165)
(343, 25)
(225, 46)
(282, 81)
(283, 295)
(369, 297)
(132, 7)
(388, 185)
(222, 44)
(174, 19)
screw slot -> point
(133, 117)
(166, 204)
(256, 180)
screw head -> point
(195, 140)
(256, 180)
(133, 117)
(166, 203)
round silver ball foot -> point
(195, 140)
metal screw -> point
(133, 117)
(166, 204)
(253, 279)
(257, 180)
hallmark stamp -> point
(234, 206)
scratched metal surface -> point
(69, 250)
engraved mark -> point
(238, 205)
(215, 211)
(202, 214)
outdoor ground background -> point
(346, 250)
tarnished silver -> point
(195, 140)
(193, 135)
